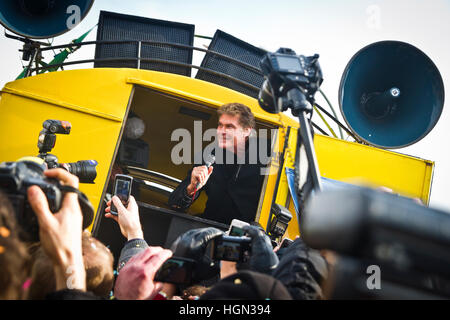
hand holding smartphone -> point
(122, 189)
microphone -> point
(208, 163)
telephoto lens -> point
(85, 170)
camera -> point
(85, 170)
(236, 228)
(17, 177)
(284, 70)
(286, 243)
(231, 248)
(279, 222)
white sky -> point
(334, 29)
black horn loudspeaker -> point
(42, 18)
(391, 94)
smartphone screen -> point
(236, 231)
(122, 189)
(175, 270)
(237, 228)
(231, 248)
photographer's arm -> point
(60, 233)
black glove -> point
(192, 245)
(262, 258)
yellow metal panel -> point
(103, 92)
(364, 165)
(268, 189)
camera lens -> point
(85, 170)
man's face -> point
(230, 134)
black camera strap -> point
(66, 189)
(86, 206)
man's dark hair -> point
(246, 117)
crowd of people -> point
(68, 263)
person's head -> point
(42, 275)
(7, 216)
(14, 258)
(98, 262)
(236, 122)
(14, 266)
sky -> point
(335, 30)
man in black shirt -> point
(233, 183)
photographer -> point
(193, 244)
(254, 283)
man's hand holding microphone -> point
(200, 176)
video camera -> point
(17, 177)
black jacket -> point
(302, 270)
(233, 191)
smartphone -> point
(231, 248)
(176, 270)
(122, 189)
(236, 228)
(286, 243)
